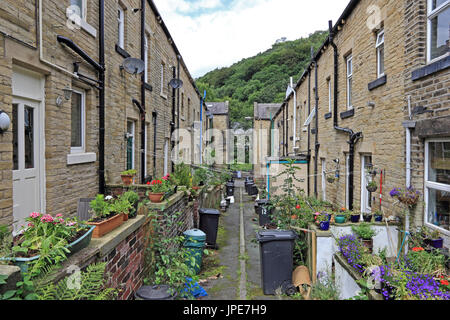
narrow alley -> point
(238, 256)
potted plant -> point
(378, 216)
(341, 216)
(158, 189)
(365, 233)
(323, 219)
(105, 219)
(434, 239)
(331, 179)
(128, 176)
(48, 237)
(372, 186)
(355, 217)
(409, 197)
(367, 217)
(133, 198)
(123, 206)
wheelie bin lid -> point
(209, 211)
(275, 235)
(195, 234)
(263, 201)
(156, 292)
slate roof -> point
(218, 108)
(266, 111)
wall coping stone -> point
(373, 295)
(111, 240)
(13, 275)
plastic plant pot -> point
(159, 292)
(367, 218)
(324, 225)
(339, 219)
(355, 219)
(378, 218)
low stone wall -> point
(123, 249)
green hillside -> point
(262, 78)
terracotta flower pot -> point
(196, 188)
(106, 226)
(155, 197)
(127, 179)
(125, 217)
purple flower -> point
(394, 192)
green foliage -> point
(325, 289)
(166, 256)
(100, 206)
(131, 172)
(133, 198)
(87, 285)
(364, 231)
(425, 262)
(121, 205)
(5, 242)
(262, 78)
(182, 175)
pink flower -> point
(35, 215)
(61, 220)
(47, 218)
(70, 224)
(59, 215)
(31, 225)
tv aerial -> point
(176, 83)
(133, 66)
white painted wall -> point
(347, 286)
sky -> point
(213, 34)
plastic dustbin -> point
(277, 262)
(209, 224)
(264, 211)
(230, 189)
(195, 243)
(156, 292)
(253, 190)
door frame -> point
(35, 95)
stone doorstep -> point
(355, 275)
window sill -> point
(377, 83)
(80, 158)
(431, 68)
(86, 27)
(163, 96)
(122, 51)
(348, 114)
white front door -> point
(26, 160)
(366, 196)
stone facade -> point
(64, 177)
(380, 104)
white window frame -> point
(121, 27)
(432, 185)
(380, 46)
(365, 208)
(82, 149)
(83, 21)
(133, 129)
(329, 95)
(431, 14)
(163, 65)
(349, 61)
(146, 46)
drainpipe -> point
(309, 133)
(316, 145)
(354, 137)
(143, 136)
(172, 124)
(408, 164)
(284, 130)
(101, 152)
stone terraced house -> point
(78, 118)
(376, 97)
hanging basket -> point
(331, 179)
(372, 189)
(409, 201)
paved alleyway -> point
(238, 253)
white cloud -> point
(221, 37)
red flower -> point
(444, 282)
(298, 206)
(148, 183)
(417, 249)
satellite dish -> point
(133, 65)
(176, 83)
